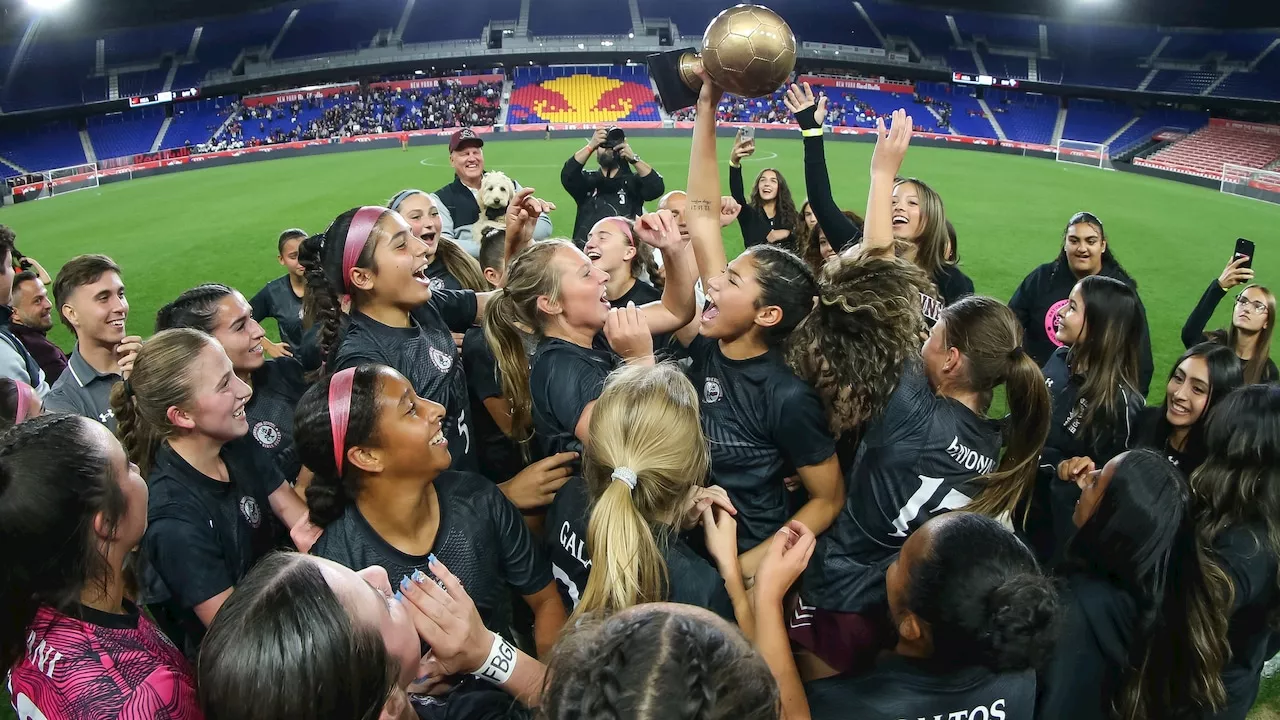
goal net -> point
(1078, 152)
(1251, 183)
(69, 179)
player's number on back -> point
(953, 500)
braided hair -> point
(331, 491)
(196, 308)
(321, 260)
(787, 282)
(658, 661)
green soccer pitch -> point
(220, 224)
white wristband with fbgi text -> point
(497, 668)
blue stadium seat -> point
(463, 21)
(1026, 118)
(1155, 119)
(1095, 120)
(1182, 82)
(126, 133)
(51, 74)
(928, 29)
(999, 30)
(195, 122)
(146, 44)
(571, 17)
(45, 147)
(337, 26)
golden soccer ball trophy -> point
(748, 50)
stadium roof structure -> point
(1234, 14)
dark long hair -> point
(1238, 485)
(284, 623)
(809, 246)
(1224, 377)
(53, 481)
(331, 491)
(787, 282)
(784, 206)
(983, 595)
(1142, 540)
(321, 260)
(656, 663)
(1108, 355)
(196, 308)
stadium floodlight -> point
(46, 5)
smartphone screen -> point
(1246, 248)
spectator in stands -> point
(1252, 321)
(31, 322)
(16, 362)
(1043, 293)
(92, 304)
(614, 189)
(459, 206)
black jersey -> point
(427, 356)
(640, 293)
(900, 687)
(1049, 525)
(761, 422)
(203, 535)
(277, 387)
(440, 277)
(692, 580)
(1096, 629)
(919, 458)
(276, 300)
(482, 539)
(1243, 552)
(499, 456)
(563, 379)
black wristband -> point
(806, 118)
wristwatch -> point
(634, 159)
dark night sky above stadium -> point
(1188, 13)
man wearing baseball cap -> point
(459, 207)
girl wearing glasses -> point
(1039, 300)
(1252, 320)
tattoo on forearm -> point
(700, 205)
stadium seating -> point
(815, 22)
(1026, 118)
(572, 17)
(1182, 82)
(145, 82)
(146, 44)
(333, 26)
(463, 21)
(582, 95)
(128, 133)
(1262, 84)
(1153, 120)
(51, 74)
(44, 147)
(998, 30)
(195, 122)
(928, 29)
(1094, 120)
(1007, 66)
(1208, 149)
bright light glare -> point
(47, 5)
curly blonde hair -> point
(867, 324)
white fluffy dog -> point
(496, 191)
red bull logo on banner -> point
(583, 99)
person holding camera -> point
(621, 187)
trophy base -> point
(672, 73)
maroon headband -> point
(26, 395)
(357, 235)
(340, 412)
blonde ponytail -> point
(646, 456)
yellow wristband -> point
(812, 132)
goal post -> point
(1250, 182)
(1078, 152)
(60, 181)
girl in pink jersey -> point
(72, 508)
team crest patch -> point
(443, 361)
(267, 434)
(437, 284)
(711, 391)
(249, 509)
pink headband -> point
(626, 228)
(26, 396)
(340, 412)
(357, 235)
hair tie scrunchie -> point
(1016, 353)
(626, 476)
(128, 389)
